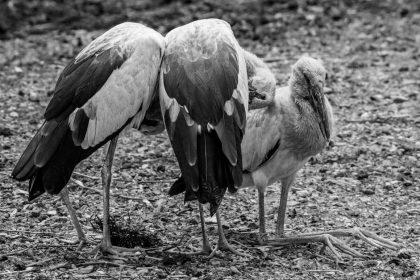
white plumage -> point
(109, 86)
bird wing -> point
(110, 80)
(107, 86)
(204, 98)
(264, 134)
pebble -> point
(33, 96)
(14, 114)
(235, 270)
(377, 97)
(368, 191)
(400, 99)
(87, 269)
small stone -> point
(377, 97)
(234, 270)
(399, 99)
(14, 114)
(368, 191)
(403, 69)
(5, 131)
(87, 269)
(33, 96)
(52, 213)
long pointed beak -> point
(322, 112)
(318, 104)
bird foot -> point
(108, 249)
(223, 245)
(262, 238)
(330, 240)
(365, 235)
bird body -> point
(204, 100)
(280, 139)
(108, 86)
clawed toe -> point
(330, 241)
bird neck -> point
(306, 135)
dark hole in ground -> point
(124, 235)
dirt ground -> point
(369, 179)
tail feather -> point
(51, 156)
(215, 169)
(25, 166)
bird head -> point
(262, 87)
(307, 83)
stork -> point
(206, 82)
(109, 86)
(281, 138)
(204, 101)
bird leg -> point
(223, 244)
(262, 236)
(206, 244)
(206, 250)
(106, 173)
(64, 194)
(285, 186)
(328, 238)
(106, 182)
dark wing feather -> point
(204, 133)
(80, 80)
(204, 85)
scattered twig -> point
(59, 265)
(329, 259)
(140, 182)
(157, 181)
(40, 262)
(323, 270)
(15, 272)
(14, 253)
(87, 176)
(26, 231)
(81, 185)
(103, 263)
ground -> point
(369, 178)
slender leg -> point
(223, 244)
(64, 194)
(106, 182)
(262, 238)
(206, 244)
(328, 238)
(285, 186)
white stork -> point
(281, 138)
(206, 81)
(204, 101)
(110, 85)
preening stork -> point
(205, 84)
(204, 101)
(109, 86)
(281, 138)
